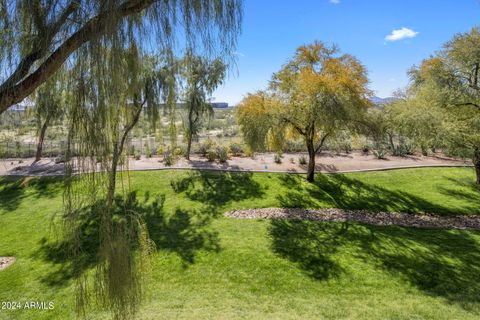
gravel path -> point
(429, 221)
(6, 262)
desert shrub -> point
(222, 154)
(347, 147)
(403, 150)
(137, 155)
(277, 158)
(177, 152)
(379, 154)
(235, 149)
(211, 154)
(424, 150)
(366, 149)
(302, 160)
(60, 159)
(409, 149)
(292, 160)
(294, 146)
(168, 158)
(160, 149)
(205, 146)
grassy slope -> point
(208, 266)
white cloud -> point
(237, 53)
(400, 34)
(335, 1)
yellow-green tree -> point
(317, 93)
(452, 80)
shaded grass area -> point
(208, 266)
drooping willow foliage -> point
(38, 36)
(116, 57)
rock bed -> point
(6, 262)
(430, 221)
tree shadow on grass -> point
(441, 263)
(183, 233)
(466, 189)
(216, 189)
(13, 190)
(341, 191)
(311, 245)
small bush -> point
(177, 152)
(366, 149)
(424, 151)
(347, 147)
(222, 154)
(379, 154)
(137, 155)
(168, 158)
(160, 149)
(211, 155)
(409, 149)
(292, 160)
(302, 160)
(403, 150)
(235, 149)
(205, 146)
(277, 158)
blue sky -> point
(272, 30)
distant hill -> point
(382, 101)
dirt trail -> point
(326, 162)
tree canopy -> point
(317, 93)
(448, 84)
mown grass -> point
(208, 266)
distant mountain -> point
(382, 101)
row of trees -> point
(320, 94)
(192, 80)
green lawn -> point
(208, 266)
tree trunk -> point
(311, 161)
(390, 139)
(189, 145)
(189, 131)
(476, 163)
(41, 138)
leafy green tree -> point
(49, 106)
(452, 80)
(316, 94)
(201, 78)
(254, 118)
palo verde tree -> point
(452, 78)
(49, 106)
(316, 94)
(201, 78)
